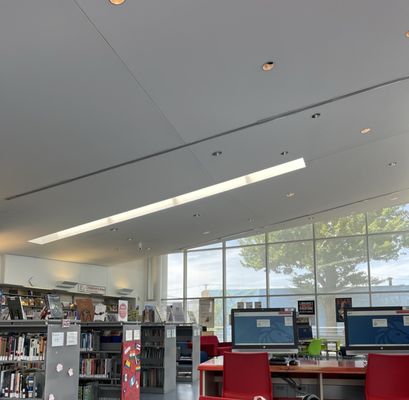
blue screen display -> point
(268, 328)
(378, 329)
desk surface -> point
(356, 367)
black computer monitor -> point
(376, 330)
(266, 329)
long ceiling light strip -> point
(208, 191)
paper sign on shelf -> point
(406, 320)
(57, 339)
(288, 321)
(72, 338)
(128, 335)
(169, 333)
(137, 334)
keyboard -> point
(278, 361)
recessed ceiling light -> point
(365, 131)
(268, 66)
(393, 164)
(284, 153)
(315, 116)
(290, 194)
(117, 2)
(394, 198)
(114, 229)
(217, 153)
(148, 249)
(206, 233)
(185, 198)
(196, 215)
(130, 239)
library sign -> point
(91, 289)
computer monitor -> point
(267, 329)
(376, 330)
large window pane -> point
(329, 328)
(246, 271)
(291, 267)
(193, 307)
(342, 265)
(204, 273)
(389, 261)
(232, 303)
(217, 245)
(172, 277)
(296, 233)
(256, 239)
(353, 224)
(389, 219)
(390, 299)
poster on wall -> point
(306, 307)
(206, 312)
(123, 310)
(340, 304)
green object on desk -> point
(314, 348)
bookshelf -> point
(158, 358)
(187, 352)
(39, 360)
(33, 300)
(109, 361)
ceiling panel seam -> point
(215, 136)
(126, 66)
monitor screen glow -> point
(271, 330)
(377, 330)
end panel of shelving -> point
(62, 362)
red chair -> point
(245, 376)
(386, 377)
(211, 345)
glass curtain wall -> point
(362, 256)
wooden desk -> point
(318, 368)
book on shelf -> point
(15, 307)
(24, 347)
(85, 309)
(19, 384)
(54, 306)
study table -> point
(338, 369)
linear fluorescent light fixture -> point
(208, 191)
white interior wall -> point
(45, 274)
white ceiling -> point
(85, 86)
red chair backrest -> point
(210, 339)
(386, 377)
(209, 345)
(246, 375)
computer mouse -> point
(293, 362)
